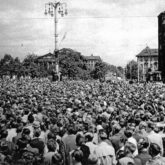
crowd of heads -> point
(37, 115)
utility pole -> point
(55, 9)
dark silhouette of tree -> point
(72, 64)
(5, 65)
(100, 70)
(131, 70)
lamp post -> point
(55, 9)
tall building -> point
(147, 61)
(92, 60)
(161, 43)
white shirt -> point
(91, 146)
(105, 154)
(133, 141)
(11, 133)
(156, 138)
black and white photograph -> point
(82, 82)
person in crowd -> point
(80, 143)
(129, 149)
(11, 131)
(89, 143)
(155, 152)
(129, 135)
(141, 131)
(143, 156)
(115, 138)
(18, 136)
(154, 137)
(77, 157)
(69, 143)
(48, 157)
(37, 142)
(105, 153)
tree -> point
(132, 70)
(30, 66)
(29, 60)
(100, 70)
(72, 64)
(5, 65)
(15, 66)
(120, 71)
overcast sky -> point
(115, 30)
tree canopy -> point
(131, 70)
(72, 65)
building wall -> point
(145, 63)
(91, 64)
(149, 62)
(161, 43)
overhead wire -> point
(76, 17)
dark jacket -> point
(38, 143)
(142, 158)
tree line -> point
(72, 65)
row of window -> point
(147, 59)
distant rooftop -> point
(46, 55)
(92, 57)
(148, 52)
(162, 13)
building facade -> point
(147, 61)
(161, 43)
(92, 60)
(47, 60)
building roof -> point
(93, 57)
(46, 56)
(148, 52)
(162, 13)
(49, 57)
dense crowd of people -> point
(81, 122)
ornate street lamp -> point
(55, 9)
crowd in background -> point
(81, 122)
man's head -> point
(80, 139)
(154, 149)
(143, 144)
(129, 148)
(26, 134)
(37, 133)
(77, 155)
(88, 137)
(150, 127)
(51, 144)
(102, 135)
